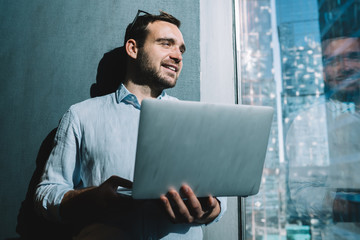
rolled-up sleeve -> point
(61, 172)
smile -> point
(172, 68)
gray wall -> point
(49, 55)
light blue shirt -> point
(95, 140)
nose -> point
(176, 55)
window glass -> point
(303, 58)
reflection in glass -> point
(327, 188)
(313, 190)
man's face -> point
(342, 69)
(160, 59)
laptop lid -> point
(215, 149)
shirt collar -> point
(162, 95)
(123, 95)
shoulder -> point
(93, 105)
(89, 111)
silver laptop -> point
(215, 149)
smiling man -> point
(94, 151)
(155, 65)
(341, 57)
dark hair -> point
(325, 43)
(138, 30)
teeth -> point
(171, 68)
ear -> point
(325, 73)
(131, 48)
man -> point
(324, 180)
(342, 86)
(95, 144)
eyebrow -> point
(172, 41)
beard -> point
(149, 75)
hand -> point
(94, 202)
(191, 210)
(106, 196)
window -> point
(303, 58)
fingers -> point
(211, 203)
(193, 202)
(192, 209)
(199, 207)
(176, 207)
(168, 207)
(108, 191)
(116, 181)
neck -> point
(141, 91)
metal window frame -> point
(237, 93)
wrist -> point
(75, 205)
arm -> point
(61, 173)
(193, 210)
(59, 196)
